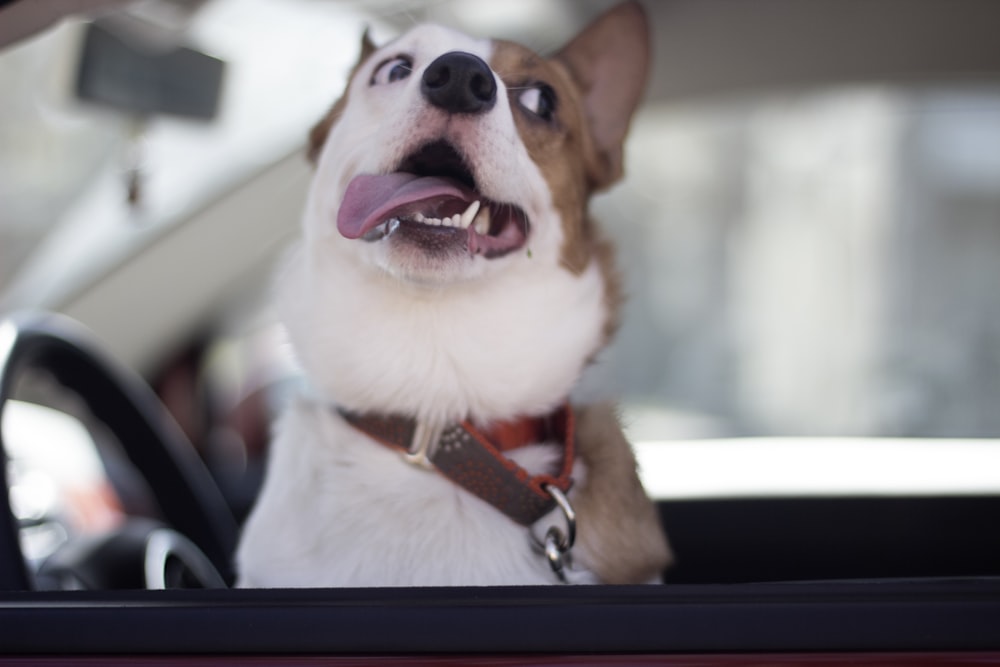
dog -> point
(449, 290)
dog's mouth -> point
(432, 200)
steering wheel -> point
(194, 546)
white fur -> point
(382, 330)
(490, 349)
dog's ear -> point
(319, 132)
(609, 60)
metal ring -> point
(554, 554)
(566, 541)
(425, 438)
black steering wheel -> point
(194, 543)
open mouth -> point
(432, 200)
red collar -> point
(473, 458)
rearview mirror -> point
(120, 71)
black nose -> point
(459, 82)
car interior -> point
(808, 366)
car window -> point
(815, 263)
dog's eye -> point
(539, 100)
(391, 70)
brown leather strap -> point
(466, 456)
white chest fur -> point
(488, 349)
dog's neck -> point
(511, 345)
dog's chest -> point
(358, 515)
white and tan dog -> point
(449, 291)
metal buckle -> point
(422, 444)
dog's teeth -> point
(482, 225)
(459, 220)
(469, 215)
(391, 226)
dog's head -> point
(448, 153)
(458, 171)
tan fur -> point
(618, 525)
(549, 144)
(609, 61)
(320, 131)
(614, 296)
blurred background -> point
(809, 226)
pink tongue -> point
(369, 200)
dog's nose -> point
(459, 82)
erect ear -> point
(319, 132)
(609, 60)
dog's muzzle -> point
(432, 200)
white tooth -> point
(434, 221)
(419, 217)
(482, 226)
(469, 215)
(456, 220)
